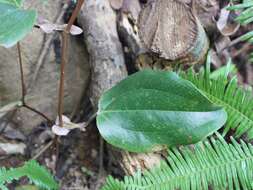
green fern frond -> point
(213, 163)
(237, 101)
(245, 17)
(229, 68)
(31, 169)
(39, 175)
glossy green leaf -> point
(16, 3)
(153, 109)
(15, 23)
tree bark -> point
(107, 60)
(105, 51)
(108, 68)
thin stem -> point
(74, 14)
(38, 112)
(57, 151)
(23, 87)
(64, 58)
(43, 150)
(101, 161)
(232, 43)
(61, 87)
(21, 73)
(92, 117)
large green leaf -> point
(16, 3)
(15, 23)
(151, 109)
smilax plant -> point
(157, 110)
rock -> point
(43, 94)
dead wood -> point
(108, 68)
(100, 22)
(104, 48)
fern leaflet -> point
(212, 163)
(245, 17)
(237, 101)
(31, 169)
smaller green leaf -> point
(15, 23)
(153, 109)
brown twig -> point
(246, 47)
(23, 87)
(38, 112)
(63, 63)
(232, 43)
(57, 151)
(101, 169)
(43, 150)
(61, 87)
(64, 57)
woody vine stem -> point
(65, 36)
(23, 87)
